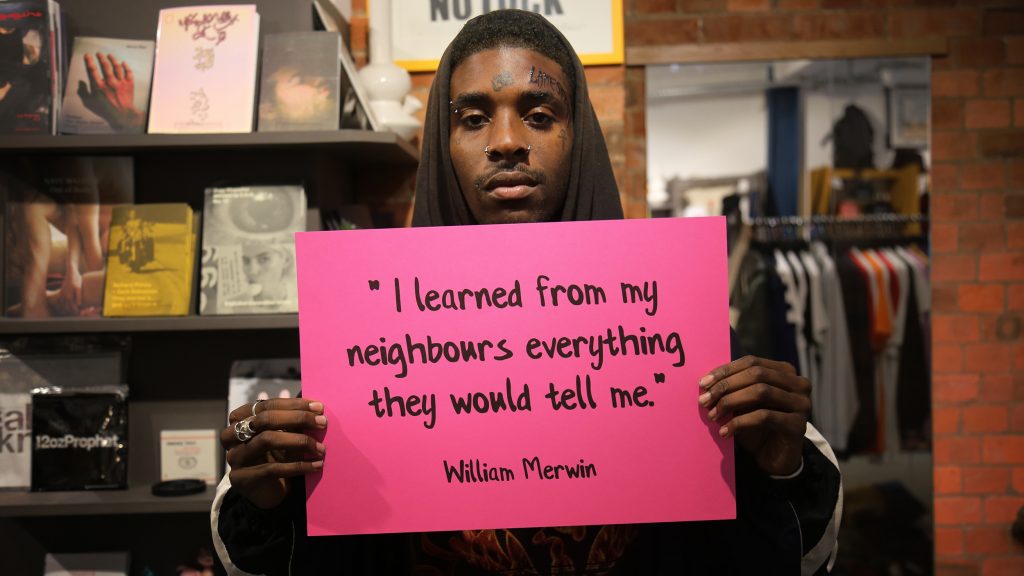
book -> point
(299, 82)
(27, 68)
(150, 261)
(204, 75)
(65, 204)
(108, 86)
(355, 102)
(263, 379)
(248, 254)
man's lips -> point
(510, 185)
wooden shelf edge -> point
(762, 51)
(15, 326)
(101, 502)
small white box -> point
(189, 454)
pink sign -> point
(515, 376)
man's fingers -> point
(760, 419)
(246, 410)
(255, 451)
(753, 375)
(742, 364)
(242, 476)
(758, 396)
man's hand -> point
(765, 405)
(111, 91)
(278, 450)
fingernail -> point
(723, 431)
(704, 398)
(316, 406)
(321, 448)
(321, 420)
(318, 464)
(708, 379)
(713, 414)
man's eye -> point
(539, 119)
(473, 120)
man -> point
(511, 136)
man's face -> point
(516, 104)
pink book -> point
(204, 78)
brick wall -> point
(977, 221)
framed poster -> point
(422, 29)
(909, 111)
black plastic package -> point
(79, 438)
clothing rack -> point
(776, 221)
(864, 227)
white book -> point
(204, 77)
(95, 103)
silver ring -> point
(257, 403)
(243, 429)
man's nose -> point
(509, 139)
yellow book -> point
(150, 261)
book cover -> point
(57, 226)
(150, 260)
(204, 76)
(108, 86)
(248, 255)
(87, 563)
(27, 73)
(299, 82)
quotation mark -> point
(374, 285)
(659, 378)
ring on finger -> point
(255, 404)
(243, 429)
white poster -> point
(422, 29)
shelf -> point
(137, 500)
(355, 145)
(151, 324)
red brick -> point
(957, 510)
(1017, 418)
(946, 420)
(1002, 266)
(978, 52)
(688, 6)
(1014, 205)
(839, 25)
(1002, 510)
(953, 388)
(981, 297)
(652, 6)
(982, 175)
(661, 31)
(986, 480)
(987, 114)
(955, 83)
(952, 22)
(996, 388)
(841, 4)
(1015, 292)
(991, 206)
(987, 358)
(748, 5)
(606, 75)
(947, 113)
(954, 145)
(956, 566)
(1015, 50)
(944, 237)
(1003, 449)
(944, 177)
(954, 267)
(949, 540)
(959, 328)
(950, 450)
(982, 236)
(1006, 22)
(797, 4)
(609, 102)
(1003, 565)
(948, 207)
(944, 297)
(1004, 82)
(1017, 480)
(746, 28)
(1018, 112)
(1001, 144)
(987, 540)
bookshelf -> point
(178, 367)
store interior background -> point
(976, 177)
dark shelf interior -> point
(14, 326)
